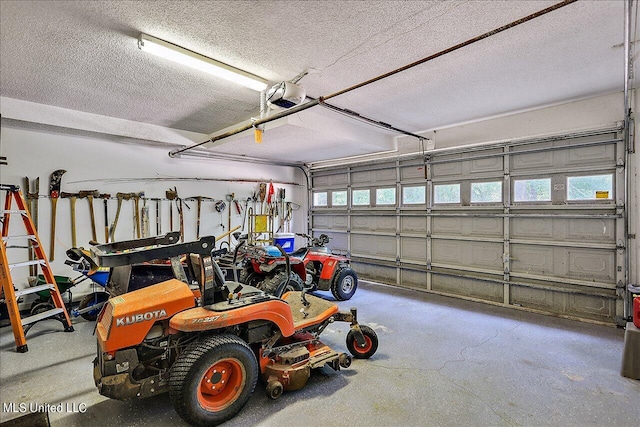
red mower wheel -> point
(221, 384)
(370, 346)
(213, 379)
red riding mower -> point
(326, 271)
(206, 341)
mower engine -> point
(290, 368)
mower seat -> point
(304, 316)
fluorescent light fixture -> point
(184, 56)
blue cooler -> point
(285, 240)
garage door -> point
(537, 224)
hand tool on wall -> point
(32, 198)
(246, 211)
(72, 198)
(136, 214)
(180, 207)
(32, 206)
(262, 192)
(280, 195)
(229, 197)
(90, 195)
(171, 196)
(112, 229)
(54, 193)
(158, 216)
(145, 218)
(198, 199)
(105, 198)
(220, 206)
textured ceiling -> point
(83, 56)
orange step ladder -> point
(59, 312)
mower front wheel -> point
(213, 379)
(274, 389)
(345, 284)
(370, 343)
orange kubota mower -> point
(206, 341)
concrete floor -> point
(441, 362)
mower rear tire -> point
(213, 379)
(90, 300)
(344, 284)
(370, 346)
(278, 286)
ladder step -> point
(26, 263)
(33, 289)
(41, 316)
(12, 211)
(24, 236)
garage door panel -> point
(590, 264)
(570, 263)
(597, 230)
(330, 222)
(412, 172)
(375, 272)
(375, 176)
(373, 223)
(486, 227)
(447, 225)
(472, 254)
(597, 307)
(566, 303)
(451, 170)
(333, 180)
(488, 164)
(541, 299)
(535, 160)
(413, 224)
(489, 291)
(600, 155)
(338, 242)
(475, 227)
(413, 249)
(383, 246)
(592, 230)
(413, 279)
(320, 181)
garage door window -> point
(360, 197)
(591, 187)
(486, 192)
(385, 196)
(339, 198)
(413, 195)
(320, 199)
(532, 190)
(446, 193)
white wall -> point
(100, 164)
